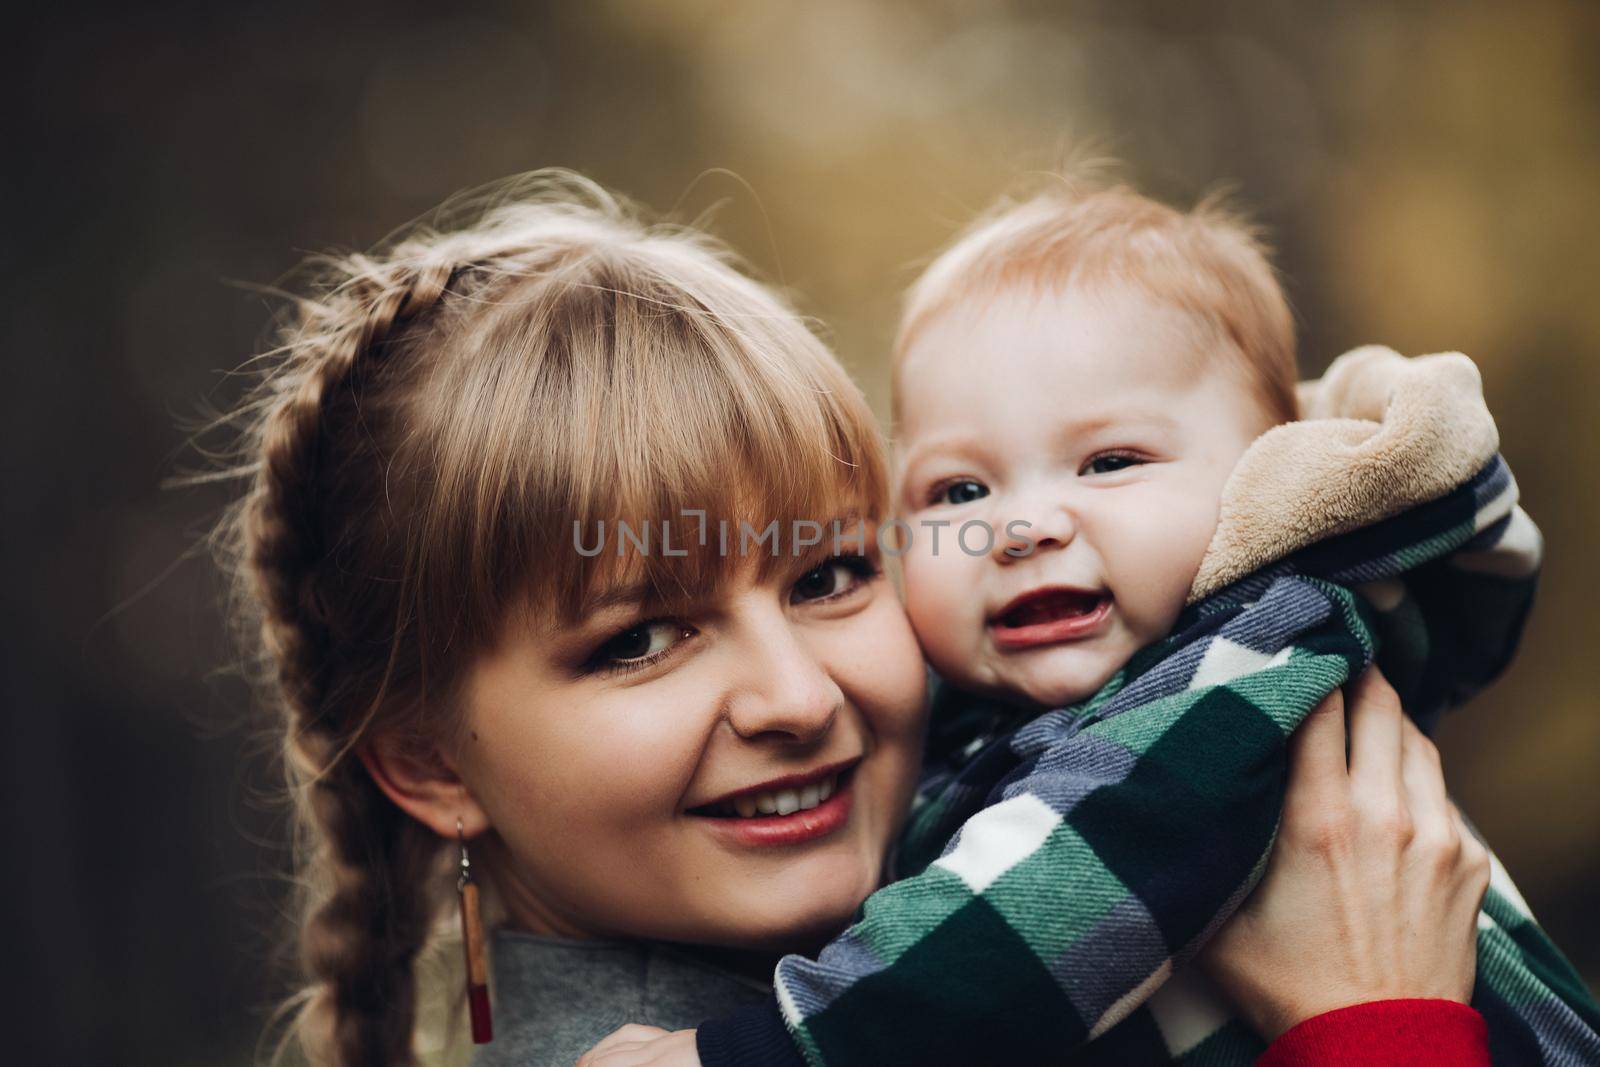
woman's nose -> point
(787, 693)
(1035, 526)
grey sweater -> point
(554, 998)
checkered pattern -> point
(1058, 871)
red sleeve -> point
(1385, 1033)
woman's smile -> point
(790, 811)
(802, 826)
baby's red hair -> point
(1208, 262)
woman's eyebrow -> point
(846, 533)
(644, 596)
(626, 594)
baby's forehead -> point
(1062, 369)
(987, 322)
(1062, 338)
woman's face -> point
(624, 762)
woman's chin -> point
(811, 912)
(803, 934)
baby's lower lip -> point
(1050, 630)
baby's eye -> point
(1109, 462)
(961, 491)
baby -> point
(1079, 376)
(1136, 581)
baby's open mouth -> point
(1047, 605)
(1049, 617)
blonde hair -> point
(433, 419)
(1208, 262)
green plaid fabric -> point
(1060, 870)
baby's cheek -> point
(1189, 536)
(1200, 528)
(1160, 564)
(945, 612)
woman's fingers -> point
(1317, 776)
(1474, 858)
(1375, 738)
(1423, 780)
(644, 1046)
(631, 1034)
(1378, 913)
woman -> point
(473, 678)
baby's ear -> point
(422, 782)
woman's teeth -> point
(778, 802)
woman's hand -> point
(1373, 888)
(635, 1046)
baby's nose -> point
(1041, 529)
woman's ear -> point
(422, 782)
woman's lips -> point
(1049, 617)
(797, 828)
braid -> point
(283, 553)
(360, 944)
(368, 864)
(338, 639)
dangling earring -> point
(472, 939)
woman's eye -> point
(836, 577)
(1112, 461)
(638, 645)
(963, 491)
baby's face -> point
(1105, 422)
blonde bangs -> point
(644, 398)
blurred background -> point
(1430, 174)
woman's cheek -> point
(895, 698)
(873, 657)
(651, 741)
(610, 762)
